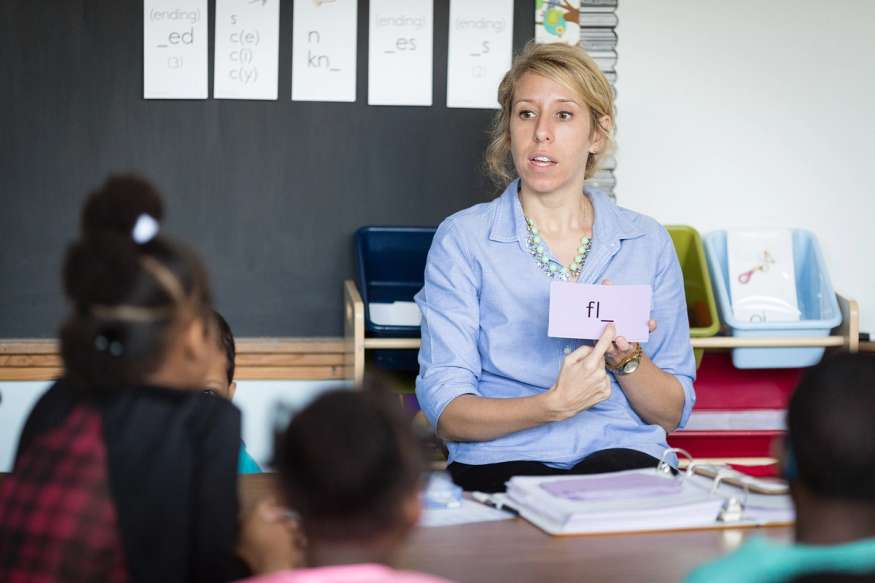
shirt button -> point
(566, 350)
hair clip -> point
(144, 229)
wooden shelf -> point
(712, 342)
(257, 359)
(768, 342)
(392, 343)
(845, 336)
(747, 461)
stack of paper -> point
(635, 500)
(466, 512)
(640, 500)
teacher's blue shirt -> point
(484, 328)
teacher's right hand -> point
(583, 381)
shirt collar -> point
(509, 223)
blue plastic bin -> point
(390, 266)
(814, 293)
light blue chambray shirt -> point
(484, 327)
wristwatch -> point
(628, 364)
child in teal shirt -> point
(220, 381)
(828, 458)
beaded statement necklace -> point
(554, 269)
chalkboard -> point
(270, 193)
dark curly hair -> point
(831, 434)
(227, 345)
(347, 461)
(125, 296)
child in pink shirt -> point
(349, 467)
(357, 573)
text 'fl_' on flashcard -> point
(583, 311)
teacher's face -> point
(550, 133)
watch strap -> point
(619, 367)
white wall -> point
(256, 399)
(753, 113)
(16, 401)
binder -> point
(651, 499)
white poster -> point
(247, 49)
(175, 49)
(400, 56)
(480, 51)
(324, 50)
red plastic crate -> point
(721, 386)
(724, 444)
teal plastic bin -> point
(814, 294)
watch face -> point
(631, 366)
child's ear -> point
(192, 341)
(197, 345)
(232, 388)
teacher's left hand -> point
(620, 347)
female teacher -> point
(508, 399)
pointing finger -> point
(604, 342)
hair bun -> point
(118, 205)
(100, 269)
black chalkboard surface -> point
(270, 193)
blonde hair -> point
(564, 64)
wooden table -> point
(514, 551)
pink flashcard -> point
(579, 310)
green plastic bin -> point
(701, 306)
